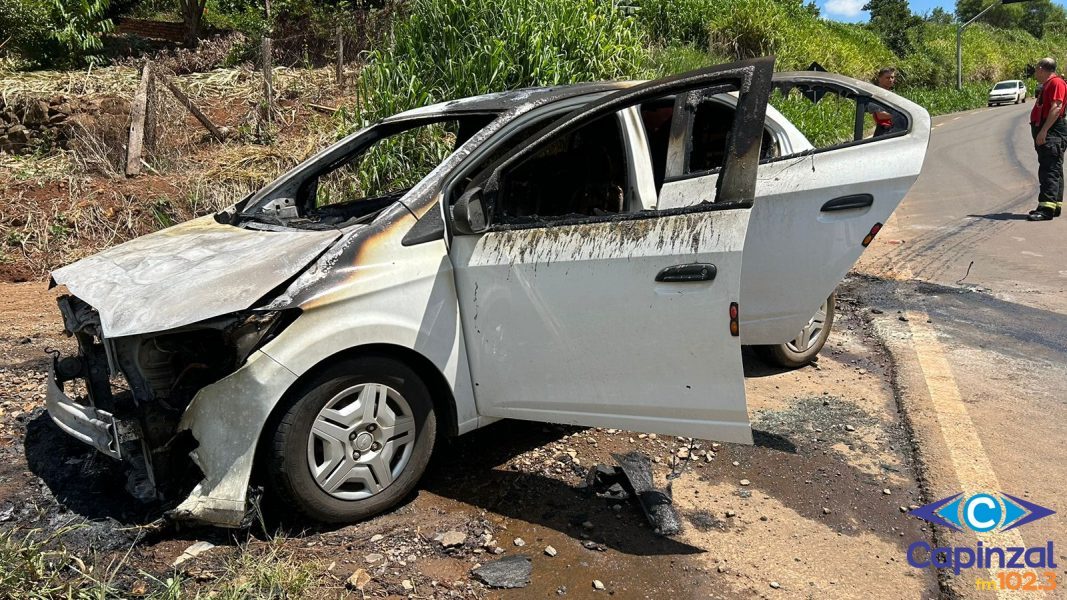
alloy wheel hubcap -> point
(811, 332)
(361, 441)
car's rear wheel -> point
(803, 349)
(353, 441)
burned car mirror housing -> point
(469, 215)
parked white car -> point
(592, 255)
(1003, 92)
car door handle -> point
(687, 273)
(848, 202)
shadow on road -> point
(755, 366)
(1001, 216)
(469, 471)
(81, 479)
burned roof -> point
(498, 102)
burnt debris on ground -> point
(632, 479)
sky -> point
(850, 10)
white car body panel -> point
(188, 272)
(412, 307)
(795, 252)
(568, 325)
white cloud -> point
(849, 9)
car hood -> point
(187, 273)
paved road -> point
(981, 363)
(969, 205)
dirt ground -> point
(815, 509)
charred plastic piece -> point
(657, 504)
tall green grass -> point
(445, 49)
(827, 122)
(942, 100)
(737, 29)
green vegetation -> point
(445, 49)
(35, 566)
(442, 49)
(826, 122)
(1037, 17)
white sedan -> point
(1003, 92)
(591, 255)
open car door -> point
(579, 305)
(814, 210)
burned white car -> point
(592, 255)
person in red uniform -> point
(1050, 140)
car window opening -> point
(581, 174)
(713, 121)
(359, 186)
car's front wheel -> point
(353, 441)
(808, 343)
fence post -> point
(266, 60)
(138, 114)
(340, 56)
(192, 108)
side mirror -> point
(468, 214)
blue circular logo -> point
(982, 512)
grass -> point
(825, 123)
(939, 101)
(36, 566)
(445, 49)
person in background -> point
(1050, 140)
(883, 121)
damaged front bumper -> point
(226, 418)
(183, 409)
(87, 424)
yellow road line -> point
(969, 459)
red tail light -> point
(870, 236)
(735, 327)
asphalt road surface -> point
(982, 355)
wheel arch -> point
(444, 402)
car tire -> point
(791, 355)
(384, 408)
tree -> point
(81, 25)
(892, 20)
(192, 14)
(940, 16)
(1033, 16)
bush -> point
(939, 101)
(740, 29)
(28, 23)
(445, 49)
(54, 33)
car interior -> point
(585, 174)
(582, 173)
